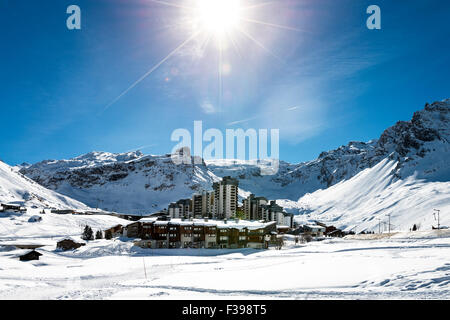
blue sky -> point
(326, 83)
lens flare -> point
(218, 17)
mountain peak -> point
(419, 146)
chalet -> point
(84, 213)
(198, 236)
(241, 237)
(132, 230)
(160, 234)
(63, 211)
(115, 231)
(174, 235)
(145, 244)
(186, 234)
(256, 238)
(30, 255)
(11, 207)
(332, 231)
(282, 229)
(146, 230)
(68, 244)
(314, 230)
(223, 237)
(210, 236)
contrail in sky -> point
(260, 116)
(150, 71)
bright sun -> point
(218, 17)
(218, 20)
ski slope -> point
(16, 226)
(364, 202)
(18, 189)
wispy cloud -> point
(208, 107)
(141, 148)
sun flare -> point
(222, 22)
(218, 17)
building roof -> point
(221, 224)
(315, 226)
(25, 252)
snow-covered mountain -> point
(18, 189)
(364, 202)
(133, 182)
(420, 145)
(130, 182)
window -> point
(242, 238)
(223, 238)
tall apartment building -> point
(174, 210)
(253, 207)
(180, 209)
(202, 204)
(269, 211)
(274, 212)
(197, 205)
(225, 198)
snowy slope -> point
(17, 227)
(130, 183)
(421, 146)
(330, 269)
(362, 202)
(18, 189)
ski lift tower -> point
(389, 223)
(438, 216)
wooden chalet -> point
(132, 230)
(31, 255)
(11, 207)
(174, 236)
(116, 231)
(68, 244)
(57, 211)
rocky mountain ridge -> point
(136, 182)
